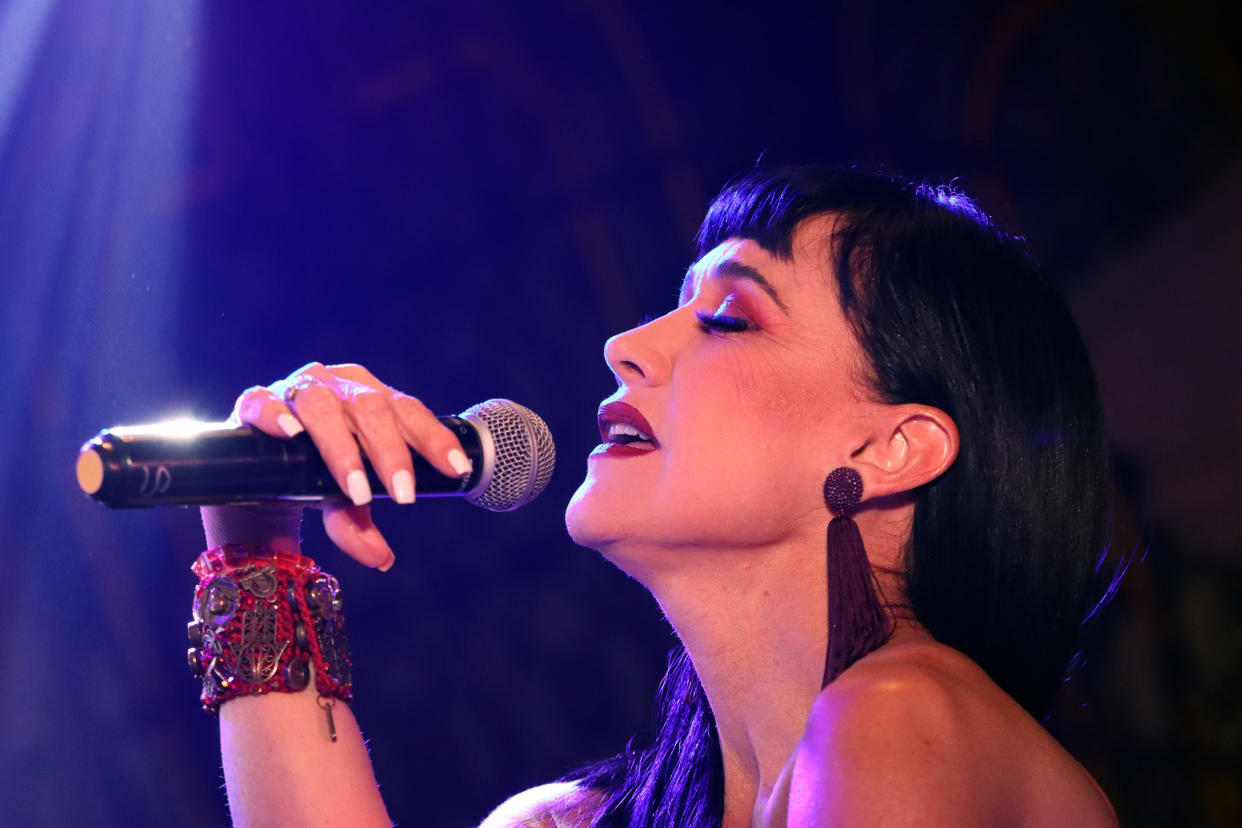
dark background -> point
(468, 197)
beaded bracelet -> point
(263, 618)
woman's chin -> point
(596, 522)
(587, 520)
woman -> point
(834, 322)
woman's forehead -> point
(731, 255)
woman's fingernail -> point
(289, 425)
(402, 486)
(357, 488)
(387, 565)
(460, 462)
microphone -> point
(198, 464)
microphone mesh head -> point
(525, 454)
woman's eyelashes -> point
(719, 322)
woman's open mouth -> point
(624, 431)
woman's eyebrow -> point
(733, 269)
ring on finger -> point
(298, 386)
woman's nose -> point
(636, 358)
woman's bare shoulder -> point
(918, 728)
(554, 805)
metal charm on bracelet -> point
(323, 597)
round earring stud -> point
(843, 490)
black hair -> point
(951, 312)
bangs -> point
(762, 206)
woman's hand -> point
(346, 411)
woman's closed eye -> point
(721, 323)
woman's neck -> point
(755, 625)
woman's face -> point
(751, 390)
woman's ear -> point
(909, 445)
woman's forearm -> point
(282, 768)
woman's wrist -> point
(275, 525)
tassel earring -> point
(857, 622)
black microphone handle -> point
(137, 467)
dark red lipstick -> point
(618, 443)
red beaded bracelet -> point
(263, 618)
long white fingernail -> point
(402, 486)
(357, 488)
(460, 462)
(289, 425)
(387, 565)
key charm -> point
(327, 705)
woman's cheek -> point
(767, 387)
